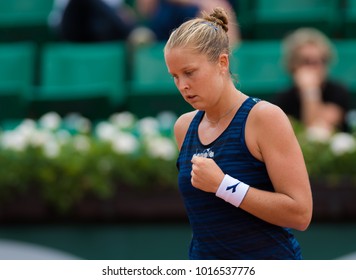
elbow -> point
(304, 219)
(303, 225)
(303, 214)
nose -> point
(182, 85)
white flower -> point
(63, 136)
(81, 143)
(50, 121)
(83, 125)
(148, 126)
(123, 120)
(77, 122)
(105, 131)
(40, 138)
(27, 126)
(51, 149)
(318, 134)
(161, 147)
(166, 119)
(14, 140)
(124, 143)
(342, 143)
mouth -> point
(191, 98)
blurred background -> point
(87, 107)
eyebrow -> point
(185, 68)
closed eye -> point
(175, 77)
(188, 73)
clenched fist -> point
(206, 174)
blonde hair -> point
(301, 37)
(205, 35)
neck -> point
(228, 112)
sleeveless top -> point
(221, 230)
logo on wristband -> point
(233, 187)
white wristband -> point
(232, 190)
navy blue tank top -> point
(221, 230)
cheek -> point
(207, 84)
(209, 78)
(212, 88)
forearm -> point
(263, 204)
(276, 208)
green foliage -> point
(328, 156)
(65, 159)
(63, 164)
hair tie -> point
(210, 24)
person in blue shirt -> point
(242, 174)
(162, 16)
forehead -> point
(312, 50)
(178, 58)
(183, 53)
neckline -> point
(212, 143)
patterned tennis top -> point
(221, 230)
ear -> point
(224, 63)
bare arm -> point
(271, 139)
(276, 144)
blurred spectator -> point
(162, 16)
(92, 20)
(313, 98)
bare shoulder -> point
(181, 126)
(272, 127)
(267, 114)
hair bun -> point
(219, 17)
